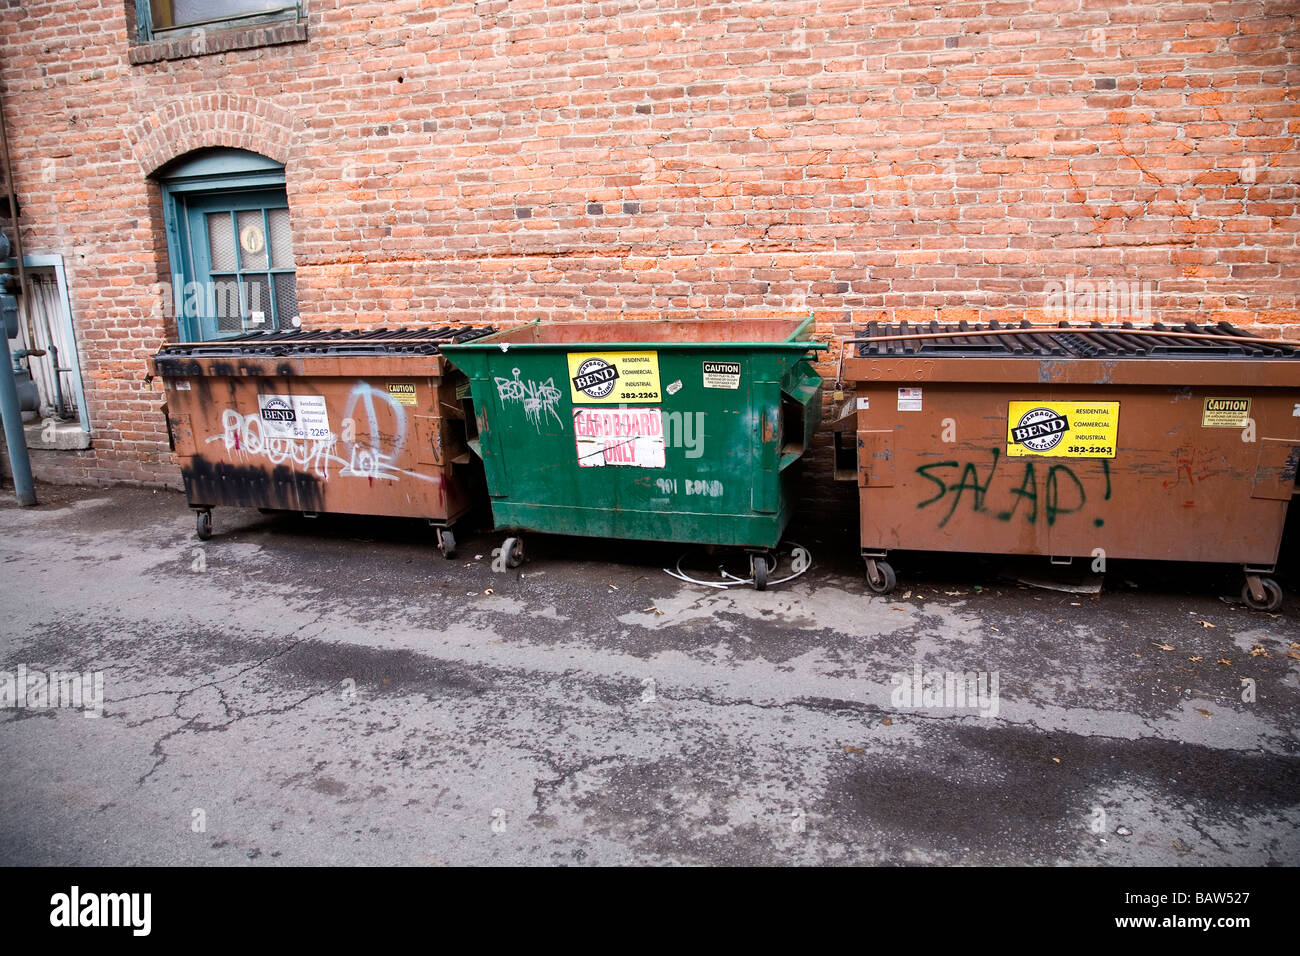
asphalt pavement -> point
(333, 691)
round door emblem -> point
(252, 240)
(1040, 429)
(595, 378)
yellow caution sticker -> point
(1225, 413)
(1062, 429)
(614, 378)
(403, 393)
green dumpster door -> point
(657, 442)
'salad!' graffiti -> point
(1029, 490)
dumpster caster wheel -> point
(880, 576)
(203, 524)
(758, 569)
(1272, 595)
(446, 543)
(512, 549)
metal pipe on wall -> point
(13, 213)
(15, 438)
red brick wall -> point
(459, 161)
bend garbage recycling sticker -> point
(1062, 429)
(613, 378)
(293, 416)
(631, 437)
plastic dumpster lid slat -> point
(1223, 328)
(1135, 342)
(1017, 343)
(1113, 340)
(1031, 345)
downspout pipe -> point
(13, 215)
(15, 438)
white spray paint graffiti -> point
(705, 487)
(243, 434)
(372, 458)
(535, 397)
(364, 463)
(373, 462)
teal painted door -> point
(239, 258)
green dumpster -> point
(680, 431)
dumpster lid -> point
(1092, 340)
(399, 341)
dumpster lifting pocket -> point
(181, 433)
(428, 440)
(1275, 470)
(876, 459)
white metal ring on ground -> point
(800, 562)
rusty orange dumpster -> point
(1086, 441)
(312, 421)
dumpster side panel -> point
(938, 471)
(261, 435)
(690, 453)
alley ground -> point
(333, 691)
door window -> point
(242, 257)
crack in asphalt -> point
(1195, 822)
(563, 774)
(193, 724)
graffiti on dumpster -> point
(701, 487)
(1026, 489)
(373, 460)
(1187, 468)
(538, 398)
(242, 436)
(246, 437)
